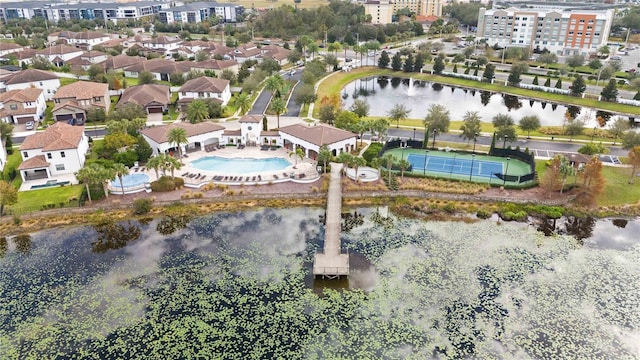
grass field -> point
(34, 200)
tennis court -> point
(462, 166)
(455, 165)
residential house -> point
(162, 42)
(311, 138)
(198, 136)
(120, 62)
(245, 52)
(20, 106)
(153, 98)
(204, 87)
(160, 68)
(60, 149)
(275, 52)
(216, 66)
(23, 56)
(58, 54)
(45, 80)
(9, 48)
(71, 101)
(85, 40)
(88, 58)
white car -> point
(29, 125)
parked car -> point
(630, 71)
(616, 57)
(29, 125)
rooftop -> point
(59, 136)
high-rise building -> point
(198, 11)
(382, 11)
(561, 32)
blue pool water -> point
(131, 180)
(239, 165)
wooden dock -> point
(332, 263)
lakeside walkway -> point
(332, 263)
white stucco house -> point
(21, 106)
(311, 138)
(60, 149)
(32, 78)
(199, 135)
(59, 54)
(204, 87)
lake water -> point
(236, 285)
(382, 93)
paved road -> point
(262, 102)
(540, 145)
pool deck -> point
(26, 185)
(305, 171)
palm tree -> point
(120, 170)
(344, 158)
(86, 176)
(170, 164)
(243, 102)
(178, 136)
(324, 156)
(279, 107)
(565, 170)
(94, 174)
(404, 165)
(397, 113)
(155, 163)
(357, 163)
(361, 127)
(299, 154)
(275, 84)
(389, 160)
(197, 111)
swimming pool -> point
(239, 165)
(130, 180)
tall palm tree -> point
(565, 170)
(275, 84)
(345, 158)
(86, 176)
(94, 174)
(357, 163)
(171, 164)
(121, 170)
(178, 136)
(324, 156)
(404, 165)
(279, 107)
(299, 154)
(389, 160)
(197, 111)
(155, 163)
(243, 102)
(398, 112)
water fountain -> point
(411, 89)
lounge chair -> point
(259, 178)
(275, 176)
(254, 179)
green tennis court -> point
(462, 166)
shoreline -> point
(441, 206)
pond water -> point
(382, 93)
(236, 286)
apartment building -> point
(198, 11)
(111, 11)
(382, 11)
(561, 32)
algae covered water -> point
(236, 286)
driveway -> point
(154, 119)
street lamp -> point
(475, 138)
(414, 134)
(504, 144)
(473, 157)
(504, 178)
(593, 133)
(424, 168)
(433, 145)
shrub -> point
(179, 182)
(449, 208)
(511, 216)
(372, 152)
(592, 149)
(142, 206)
(165, 183)
(483, 214)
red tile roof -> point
(35, 162)
(160, 134)
(59, 136)
(82, 90)
(22, 95)
(205, 84)
(251, 119)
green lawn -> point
(67, 81)
(34, 200)
(618, 191)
